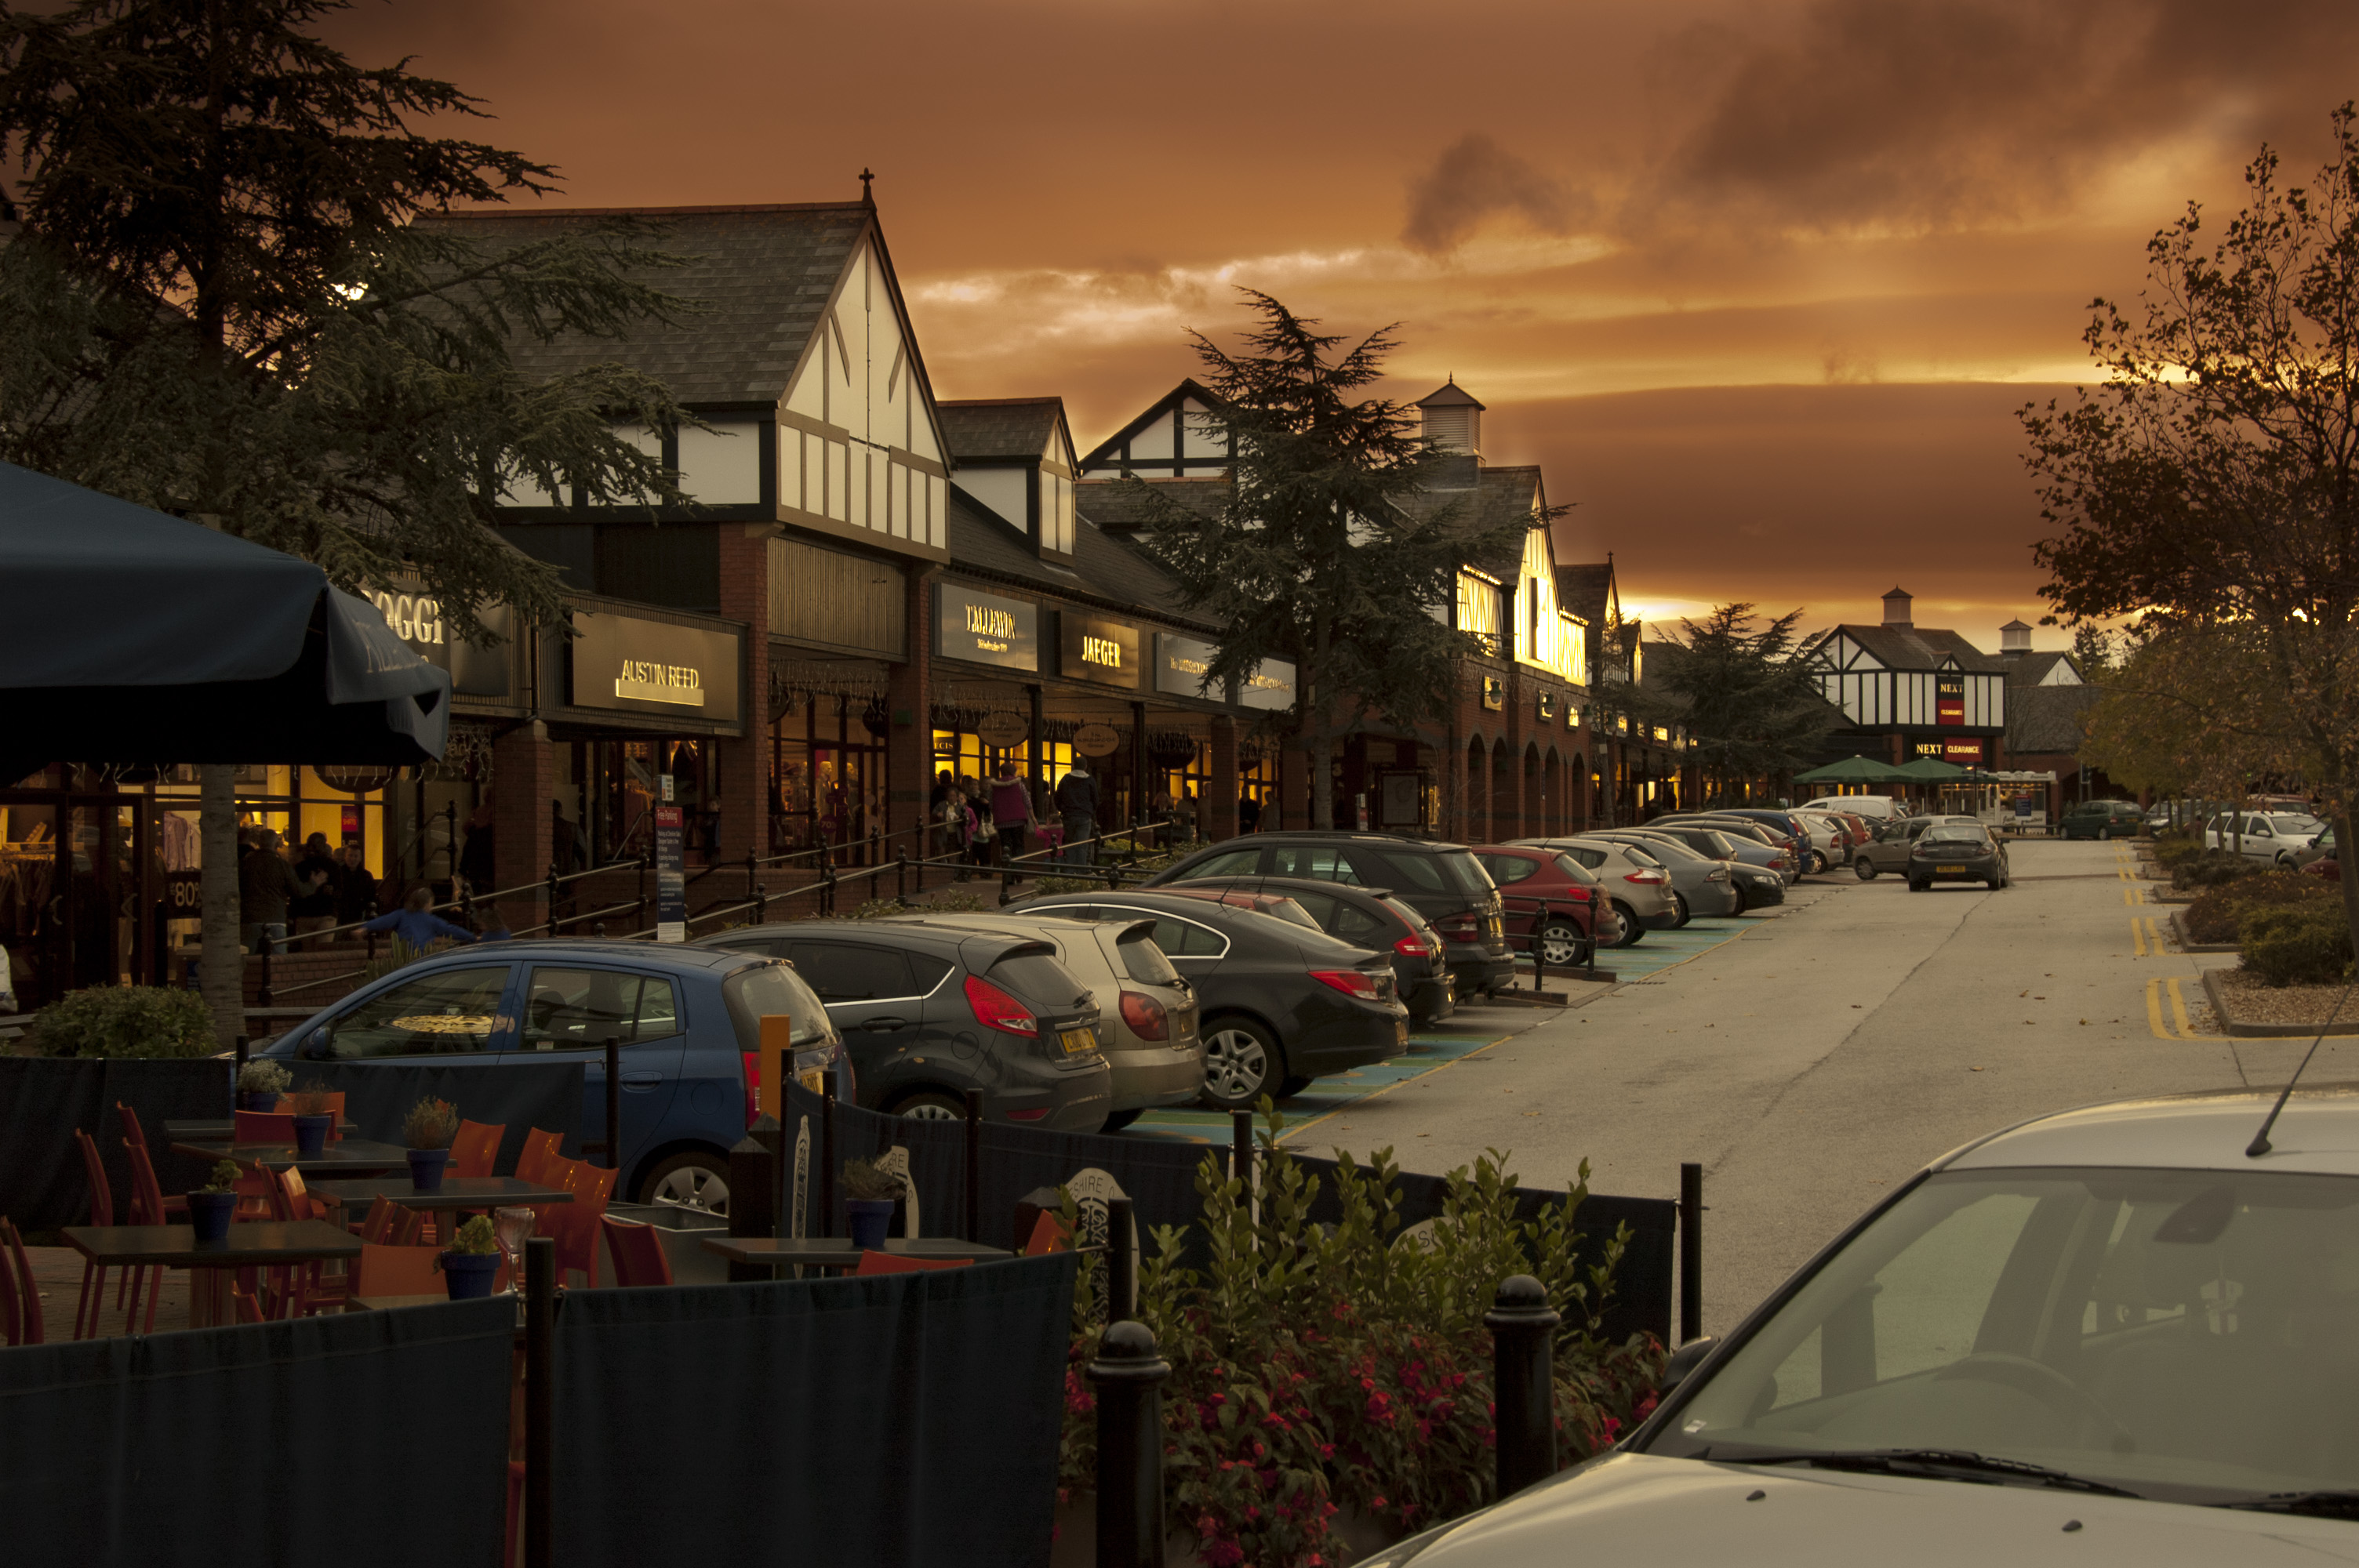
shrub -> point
(2177, 846)
(2212, 868)
(262, 1076)
(431, 1124)
(2307, 944)
(127, 1021)
(1317, 1368)
(2219, 914)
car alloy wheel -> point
(1562, 944)
(1865, 872)
(931, 1106)
(698, 1182)
(1631, 929)
(1680, 903)
(1240, 1060)
(1818, 862)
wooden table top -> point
(456, 1192)
(175, 1246)
(353, 1156)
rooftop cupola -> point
(1896, 612)
(2014, 639)
(1452, 420)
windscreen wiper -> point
(2335, 1505)
(1938, 1463)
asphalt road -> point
(1830, 1050)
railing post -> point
(901, 875)
(614, 1101)
(647, 859)
(236, 1094)
(1241, 1142)
(1523, 1381)
(550, 924)
(1128, 1377)
(827, 1155)
(974, 1166)
(827, 886)
(761, 904)
(752, 1190)
(539, 1401)
(1691, 1252)
(1122, 1264)
(262, 998)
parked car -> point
(1146, 1009)
(2101, 819)
(1441, 881)
(1889, 848)
(1280, 1005)
(688, 1019)
(1634, 882)
(1948, 852)
(1787, 861)
(1365, 917)
(931, 1013)
(2104, 1334)
(1878, 805)
(2272, 838)
(2317, 850)
(1700, 882)
(1533, 878)
(1830, 838)
(1810, 847)
(1756, 867)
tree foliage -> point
(2192, 713)
(2211, 484)
(1329, 549)
(1743, 690)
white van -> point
(1874, 807)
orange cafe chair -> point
(397, 1271)
(637, 1251)
(263, 1127)
(476, 1149)
(540, 1159)
(874, 1262)
(574, 1225)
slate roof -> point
(1105, 571)
(984, 427)
(1449, 395)
(2031, 669)
(1919, 648)
(2046, 720)
(1584, 590)
(764, 274)
(1118, 508)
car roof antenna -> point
(2260, 1144)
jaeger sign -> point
(1103, 652)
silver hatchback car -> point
(1637, 883)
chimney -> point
(1452, 424)
(1895, 611)
(2014, 639)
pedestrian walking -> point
(1077, 804)
(1248, 813)
(415, 923)
(265, 886)
(1011, 811)
(568, 851)
(316, 874)
(356, 893)
(1183, 819)
(478, 858)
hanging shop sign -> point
(1949, 700)
(983, 628)
(1181, 664)
(1097, 739)
(1270, 685)
(624, 663)
(416, 620)
(1004, 729)
(1102, 651)
(671, 877)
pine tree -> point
(217, 303)
(1743, 693)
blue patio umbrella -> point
(130, 636)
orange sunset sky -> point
(1759, 285)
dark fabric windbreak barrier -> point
(1160, 1179)
(519, 1095)
(44, 1098)
(361, 1439)
(902, 1419)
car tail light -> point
(1465, 927)
(1717, 874)
(753, 1085)
(995, 1009)
(1035, 1113)
(1649, 879)
(1145, 1016)
(1415, 946)
(1350, 982)
(1777, 862)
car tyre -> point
(1563, 944)
(692, 1180)
(1916, 886)
(1121, 1120)
(1631, 929)
(1679, 902)
(1818, 863)
(1243, 1062)
(930, 1105)
(1863, 870)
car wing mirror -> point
(1683, 1362)
(315, 1045)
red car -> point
(1530, 879)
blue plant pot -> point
(255, 1099)
(425, 1169)
(209, 1214)
(871, 1218)
(470, 1274)
(311, 1133)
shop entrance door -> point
(71, 893)
(848, 797)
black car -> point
(1443, 882)
(1367, 917)
(1282, 1004)
(929, 1013)
(1956, 852)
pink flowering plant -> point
(1322, 1370)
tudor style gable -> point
(1178, 437)
(1015, 458)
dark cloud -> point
(1474, 178)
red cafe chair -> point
(637, 1251)
(874, 1262)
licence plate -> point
(1400, 1032)
(1953, 871)
(1078, 1042)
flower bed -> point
(1320, 1370)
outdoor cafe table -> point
(255, 1244)
(455, 1197)
(351, 1157)
(222, 1130)
(838, 1252)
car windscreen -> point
(1644, 859)
(767, 990)
(1142, 960)
(2296, 827)
(1406, 916)
(2169, 1332)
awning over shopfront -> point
(130, 636)
(1853, 770)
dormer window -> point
(1015, 456)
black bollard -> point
(1691, 1252)
(1523, 1381)
(1128, 1377)
(827, 1155)
(1122, 1264)
(614, 1102)
(753, 1209)
(539, 1403)
(1240, 1143)
(975, 1165)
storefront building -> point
(1909, 691)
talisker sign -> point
(983, 628)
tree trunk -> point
(222, 967)
(2350, 883)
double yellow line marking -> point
(2184, 1029)
(2146, 935)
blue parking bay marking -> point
(1430, 1048)
(1660, 950)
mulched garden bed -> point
(2247, 1000)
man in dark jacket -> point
(265, 885)
(357, 891)
(317, 873)
(1077, 803)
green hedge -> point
(2212, 868)
(2219, 914)
(2307, 944)
(127, 1021)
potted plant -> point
(211, 1206)
(428, 1129)
(315, 1117)
(869, 1191)
(259, 1084)
(473, 1260)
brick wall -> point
(742, 769)
(523, 771)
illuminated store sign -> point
(1104, 652)
(983, 628)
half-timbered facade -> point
(1908, 691)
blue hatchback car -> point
(688, 1019)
